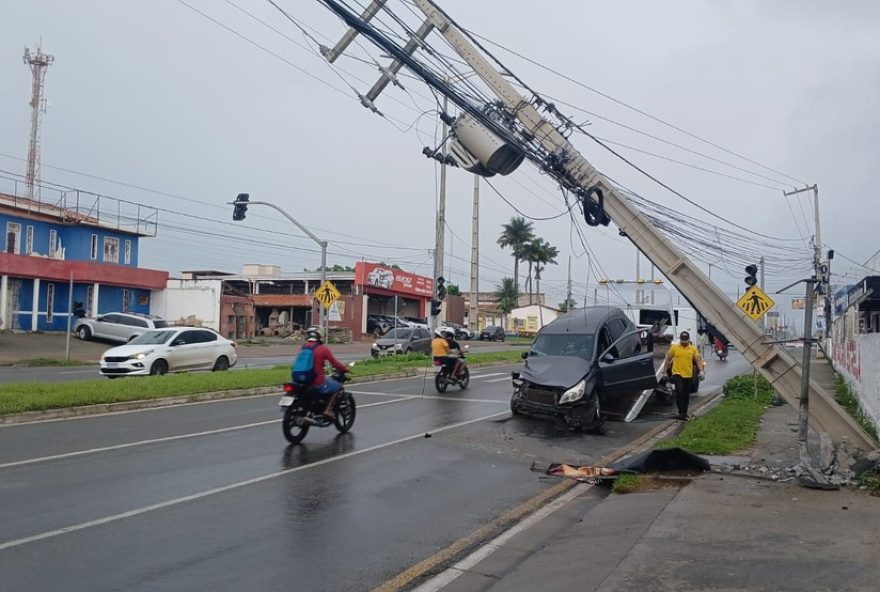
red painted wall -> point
(83, 271)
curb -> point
(105, 408)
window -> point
(111, 249)
(127, 252)
(205, 336)
(186, 338)
(13, 232)
(50, 301)
(29, 242)
(126, 299)
(53, 242)
(94, 253)
(90, 296)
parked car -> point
(492, 333)
(117, 326)
(578, 363)
(378, 324)
(175, 349)
(460, 331)
(403, 340)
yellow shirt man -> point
(681, 359)
(439, 347)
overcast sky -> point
(152, 94)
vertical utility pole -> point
(568, 302)
(638, 277)
(38, 62)
(440, 234)
(804, 407)
(652, 284)
(475, 258)
(817, 242)
(761, 268)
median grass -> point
(733, 425)
(39, 396)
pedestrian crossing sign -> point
(755, 303)
(327, 294)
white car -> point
(175, 349)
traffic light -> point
(241, 208)
(441, 288)
(751, 279)
(436, 307)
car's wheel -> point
(221, 365)
(159, 368)
(346, 410)
(408, 351)
(83, 333)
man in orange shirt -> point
(681, 360)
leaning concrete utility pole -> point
(773, 362)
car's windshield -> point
(567, 344)
(152, 338)
(399, 334)
(160, 324)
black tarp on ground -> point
(660, 460)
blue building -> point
(71, 235)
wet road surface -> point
(210, 496)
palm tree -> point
(508, 297)
(545, 254)
(516, 234)
(530, 253)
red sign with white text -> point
(373, 275)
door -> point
(623, 366)
(421, 340)
(207, 348)
(184, 351)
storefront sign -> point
(393, 280)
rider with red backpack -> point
(308, 368)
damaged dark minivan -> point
(579, 364)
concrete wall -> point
(192, 302)
(857, 358)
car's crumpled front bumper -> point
(537, 401)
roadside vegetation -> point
(39, 362)
(732, 425)
(39, 396)
(847, 399)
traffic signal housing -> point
(240, 210)
(752, 275)
(441, 288)
(436, 307)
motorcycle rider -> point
(322, 384)
(441, 346)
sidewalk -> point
(719, 532)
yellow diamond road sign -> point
(327, 294)
(755, 303)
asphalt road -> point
(209, 496)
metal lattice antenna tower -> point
(38, 63)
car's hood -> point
(387, 342)
(555, 371)
(123, 351)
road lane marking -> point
(445, 578)
(490, 374)
(244, 426)
(232, 486)
(502, 379)
(438, 397)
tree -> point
(453, 290)
(568, 305)
(507, 295)
(515, 235)
(530, 254)
(545, 254)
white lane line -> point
(232, 486)
(491, 374)
(438, 397)
(445, 578)
(502, 379)
(244, 426)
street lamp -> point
(241, 203)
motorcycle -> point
(304, 408)
(443, 377)
(721, 352)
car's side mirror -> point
(525, 355)
(608, 358)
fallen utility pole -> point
(568, 165)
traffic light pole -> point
(240, 214)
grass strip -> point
(40, 362)
(18, 397)
(732, 425)
(628, 483)
(847, 399)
